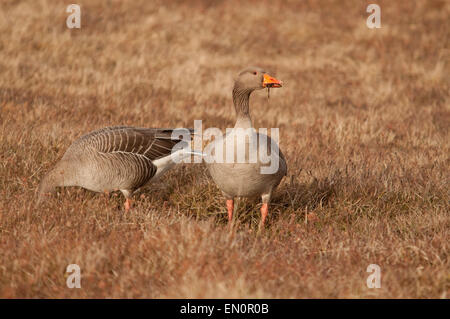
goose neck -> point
(241, 97)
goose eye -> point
(255, 72)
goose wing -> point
(130, 151)
(152, 143)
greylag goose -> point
(246, 177)
(117, 158)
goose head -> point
(254, 78)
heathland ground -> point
(364, 124)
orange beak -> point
(271, 82)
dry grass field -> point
(364, 119)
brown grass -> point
(364, 123)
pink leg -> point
(230, 208)
(127, 204)
(264, 212)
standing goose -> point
(248, 176)
(117, 158)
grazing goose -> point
(246, 177)
(117, 158)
